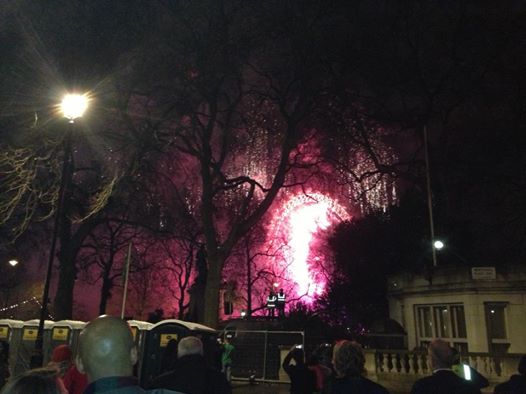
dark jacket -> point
(516, 385)
(356, 385)
(192, 375)
(444, 382)
(302, 379)
(120, 385)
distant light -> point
(492, 311)
(73, 106)
(13, 262)
(243, 313)
(438, 244)
(276, 284)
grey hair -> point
(348, 359)
(189, 345)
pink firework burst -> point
(297, 224)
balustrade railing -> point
(401, 362)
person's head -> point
(189, 346)
(61, 353)
(348, 358)
(440, 354)
(298, 355)
(35, 381)
(522, 365)
(228, 337)
(61, 358)
(171, 348)
(280, 291)
(106, 348)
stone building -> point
(479, 309)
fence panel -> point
(258, 354)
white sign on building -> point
(483, 273)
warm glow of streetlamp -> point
(73, 106)
(438, 244)
(13, 262)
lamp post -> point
(72, 107)
(429, 199)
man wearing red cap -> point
(74, 381)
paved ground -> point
(264, 388)
(260, 388)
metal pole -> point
(37, 358)
(429, 199)
(265, 357)
(126, 272)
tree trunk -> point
(213, 284)
(105, 293)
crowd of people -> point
(346, 373)
(107, 355)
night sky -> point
(286, 138)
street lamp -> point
(13, 262)
(438, 244)
(72, 107)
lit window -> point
(445, 321)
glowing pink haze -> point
(301, 218)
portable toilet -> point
(64, 332)
(139, 329)
(11, 332)
(161, 333)
(27, 344)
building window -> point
(498, 344)
(425, 323)
(446, 321)
(442, 321)
(496, 318)
(458, 321)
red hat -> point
(61, 353)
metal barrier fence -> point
(258, 354)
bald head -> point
(440, 353)
(106, 348)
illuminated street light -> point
(276, 285)
(13, 262)
(438, 244)
(73, 106)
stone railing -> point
(401, 362)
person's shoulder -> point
(163, 379)
(422, 385)
(516, 383)
(374, 387)
(361, 384)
